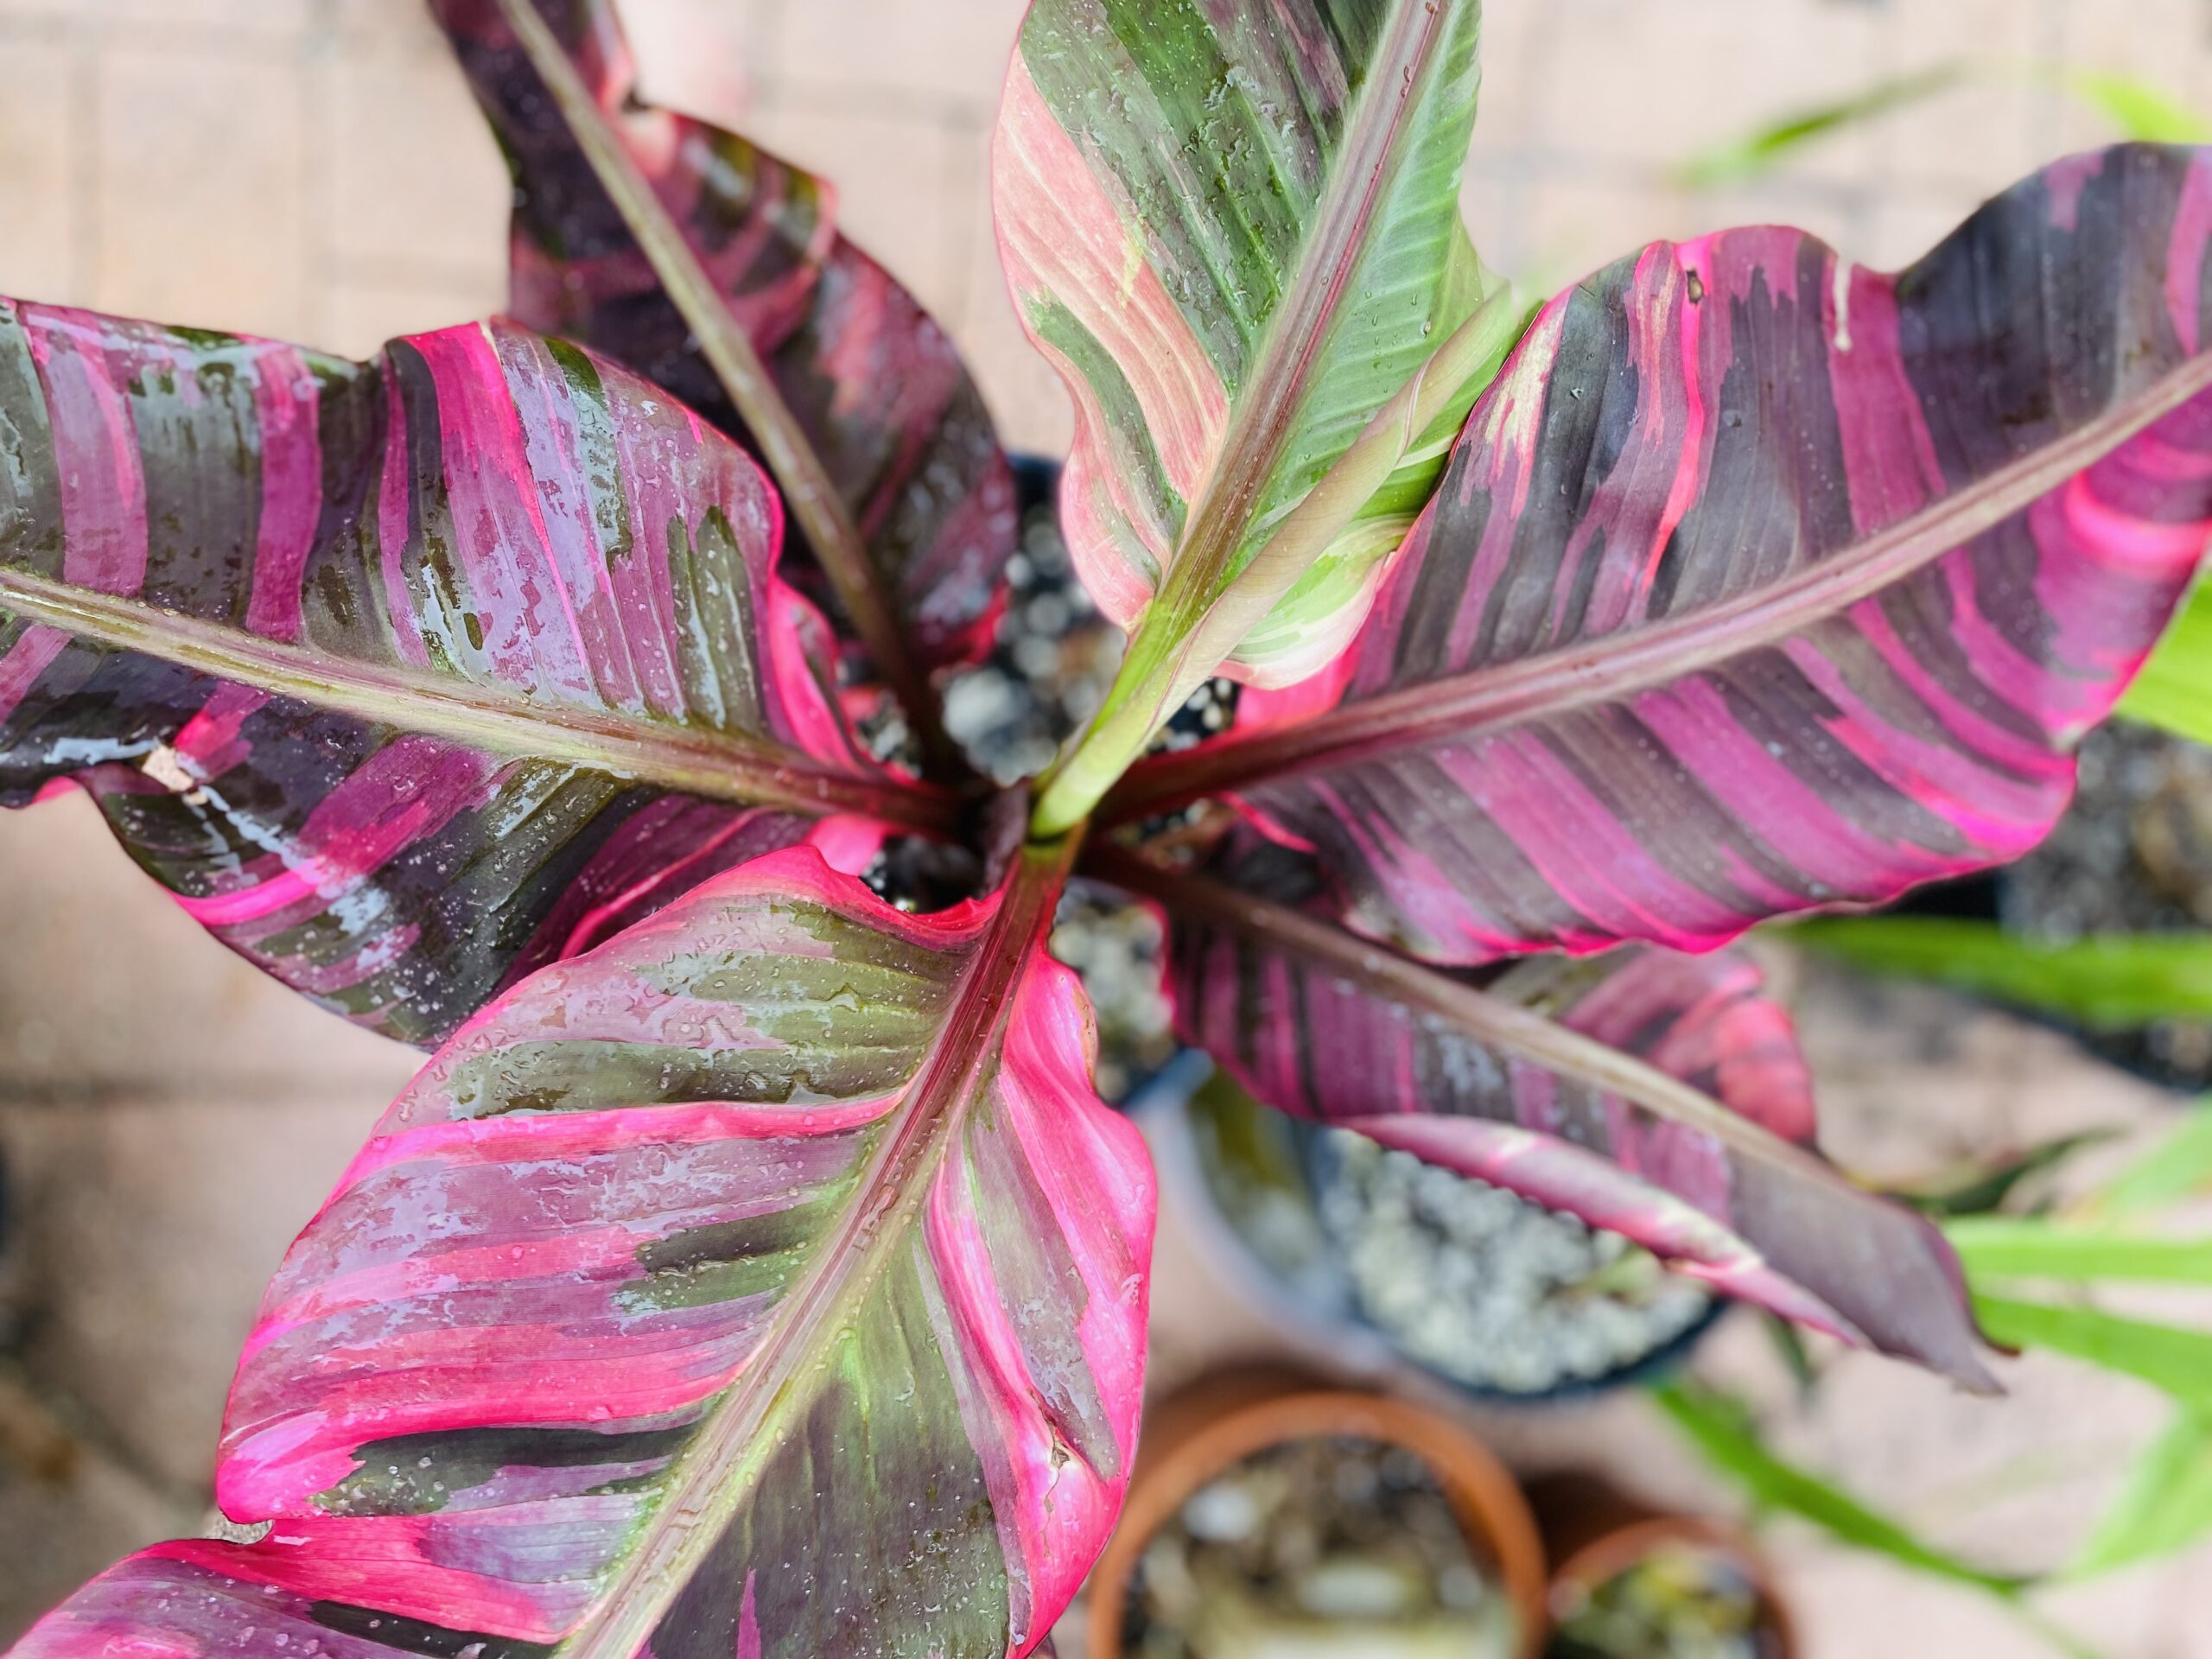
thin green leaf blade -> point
(2179, 1168)
(1753, 155)
(2165, 1506)
(2113, 982)
(2140, 109)
(1724, 1438)
(1985, 1188)
(2177, 1361)
(2005, 1247)
(2174, 693)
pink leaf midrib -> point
(709, 1484)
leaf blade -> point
(757, 1318)
(2178, 1168)
(2175, 689)
(2175, 1361)
(1522, 1086)
(1728, 1444)
(2165, 1507)
(1701, 678)
(2003, 1247)
(408, 676)
(851, 391)
(1234, 231)
(2113, 981)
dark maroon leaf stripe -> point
(1649, 670)
(327, 640)
(872, 380)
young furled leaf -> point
(868, 421)
(1653, 1095)
(409, 675)
(1761, 583)
(1234, 228)
(768, 1283)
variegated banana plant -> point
(752, 1270)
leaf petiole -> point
(798, 471)
(1178, 645)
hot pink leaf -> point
(768, 1282)
(1532, 1082)
(1760, 581)
(874, 383)
(407, 677)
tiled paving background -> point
(313, 168)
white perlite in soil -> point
(1486, 1288)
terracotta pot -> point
(1593, 1533)
(1197, 1435)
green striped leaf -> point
(406, 676)
(1656, 1095)
(1747, 592)
(1234, 228)
(735, 292)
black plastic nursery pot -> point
(1319, 1154)
(1288, 1257)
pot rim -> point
(1198, 1434)
(1610, 1554)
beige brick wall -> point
(313, 168)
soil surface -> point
(1317, 1548)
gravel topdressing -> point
(1487, 1288)
(1316, 1548)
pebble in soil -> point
(1487, 1288)
(1052, 663)
(1679, 1602)
(1115, 948)
(2133, 855)
(1318, 1547)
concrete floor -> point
(313, 168)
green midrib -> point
(1265, 416)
